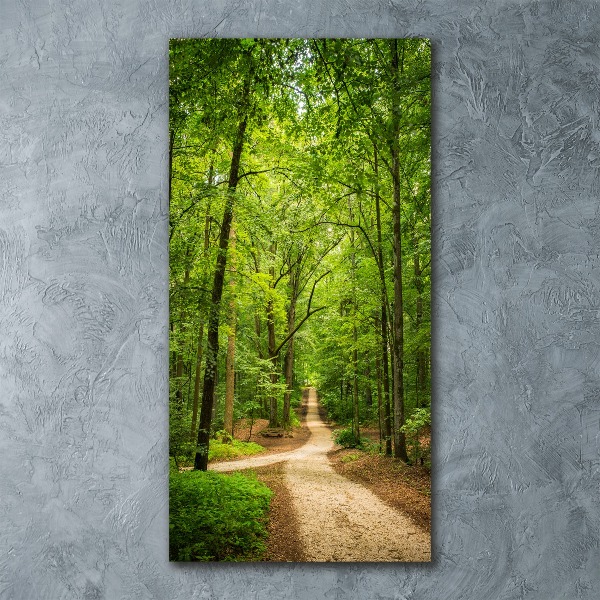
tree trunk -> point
(201, 332)
(355, 409)
(379, 402)
(398, 338)
(384, 321)
(271, 347)
(212, 342)
(368, 388)
(197, 383)
(421, 352)
(230, 360)
(288, 361)
(288, 368)
(179, 354)
(171, 143)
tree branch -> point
(293, 333)
(307, 316)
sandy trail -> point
(339, 520)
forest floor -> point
(320, 515)
(292, 440)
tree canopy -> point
(299, 235)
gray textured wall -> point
(83, 299)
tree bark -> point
(197, 383)
(271, 346)
(368, 388)
(230, 360)
(398, 338)
(212, 342)
(355, 408)
(179, 354)
(288, 361)
(421, 358)
(384, 321)
(379, 402)
(201, 332)
(171, 143)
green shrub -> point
(413, 426)
(181, 448)
(346, 438)
(223, 436)
(218, 450)
(350, 457)
(216, 517)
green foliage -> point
(350, 457)
(317, 155)
(223, 436)
(337, 410)
(216, 517)
(219, 450)
(294, 420)
(421, 417)
(346, 438)
(413, 428)
(181, 447)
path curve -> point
(339, 520)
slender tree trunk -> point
(171, 144)
(179, 365)
(355, 411)
(271, 347)
(264, 409)
(194, 432)
(398, 338)
(368, 388)
(288, 368)
(355, 408)
(379, 402)
(384, 320)
(179, 378)
(288, 361)
(173, 354)
(421, 379)
(230, 361)
(212, 342)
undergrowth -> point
(216, 516)
(347, 439)
(218, 450)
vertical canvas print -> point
(300, 277)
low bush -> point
(413, 427)
(216, 517)
(350, 457)
(346, 438)
(218, 450)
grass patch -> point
(218, 450)
(350, 457)
(216, 516)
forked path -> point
(339, 520)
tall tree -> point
(212, 347)
(398, 338)
(230, 359)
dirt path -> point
(339, 520)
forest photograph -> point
(299, 300)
